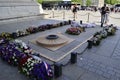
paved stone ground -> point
(98, 63)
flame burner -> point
(52, 36)
(52, 40)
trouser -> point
(102, 19)
(74, 15)
(106, 18)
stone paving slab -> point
(89, 76)
(98, 68)
(8, 72)
(73, 72)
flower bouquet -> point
(73, 31)
(3, 41)
(107, 31)
(41, 28)
(45, 27)
(30, 65)
(49, 26)
(42, 71)
(10, 54)
(97, 38)
(26, 65)
(103, 33)
(21, 33)
(23, 47)
(32, 30)
(35, 68)
(96, 41)
(54, 25)
(5, 35)
(98, 35)
(58, 25)
(14, 35)
(110, 29)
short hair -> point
(105, 5)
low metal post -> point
(53, 14)
(73, 57)
(57, 70)
(90, 43)
(80, 21)
(63, 14)
(88, 17)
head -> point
(104, 5)
(75, 5)
(107, 8)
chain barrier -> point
(63, 14)
(51, 13)
(88, 17)
(114, 17)
(69, 13)
(94, 15)
(58, 12)
(83, 14)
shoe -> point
(102, 25)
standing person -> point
(103, 15)
(95, 9)
(74, 10)
(106, 15)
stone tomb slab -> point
(52, 45)
(54, 53)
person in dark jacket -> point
(74, 10)
(103, 15)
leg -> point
(107, 19)
(74, 16)
(102, 21)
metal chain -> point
(94, 15)
(52, 12)
(58, 13)
(83, 14)
(114, 17)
